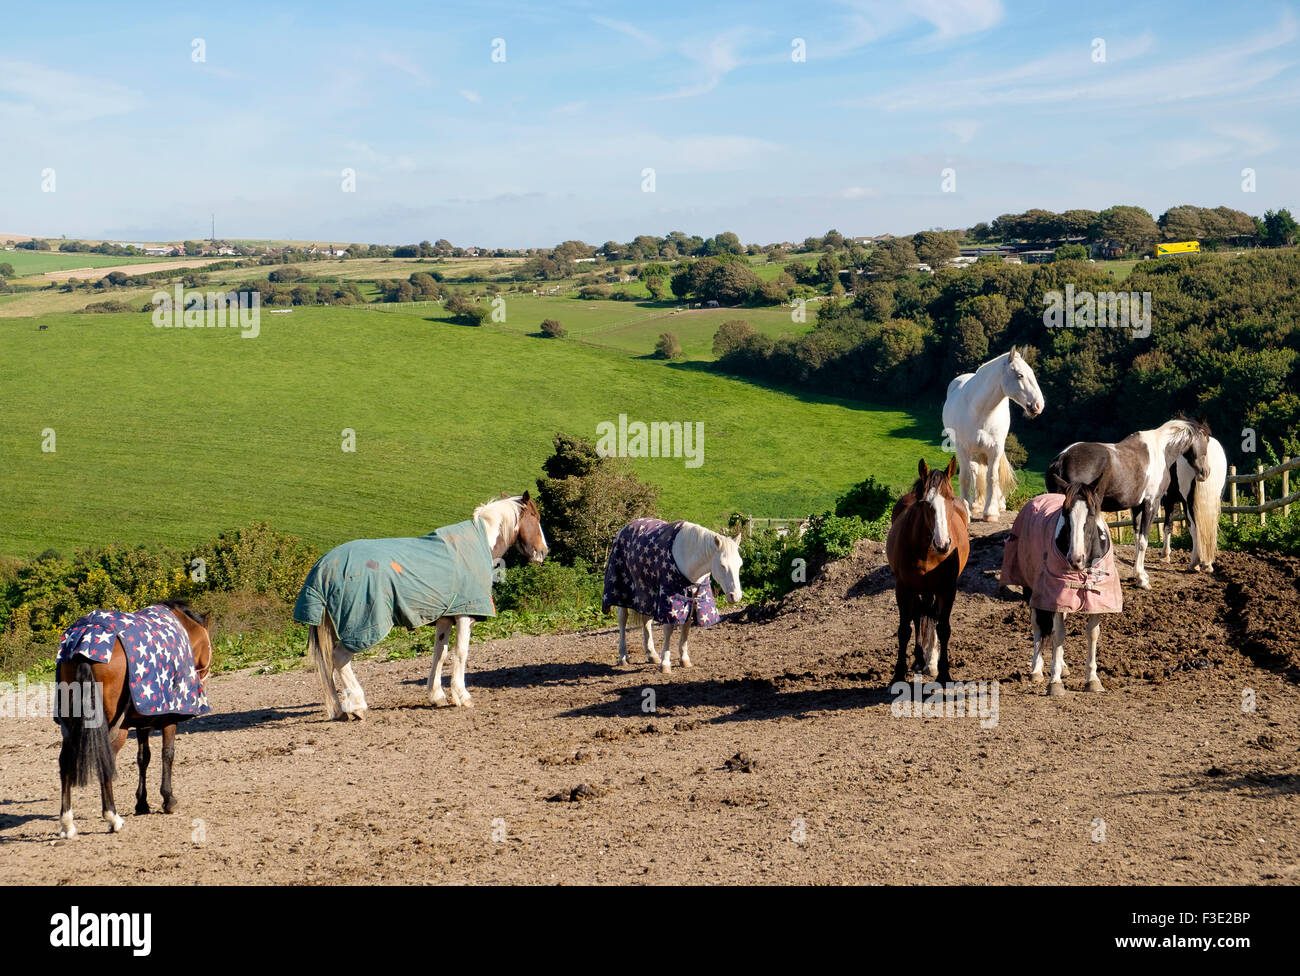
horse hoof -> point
(1143, 583)
(171, 805)
(358, 716)
(141, 809)
(1038, 677)
(686, 663)
(1095, 684)
(666, 668)
(1056, 689)
(653, 659)
(115, 823)
(68, 833)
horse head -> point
(725, 565)
(933, 491)
(1197, 453)
(530, 540)
(1020, 384)
(513, 520)
(1081, 532)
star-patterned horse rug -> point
(160, 661)
(642, 575)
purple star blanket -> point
(1031, 558)
(160, 661)
(643, 576)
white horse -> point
(977, 418)
(698, 553)
(1202, 501)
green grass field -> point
(171, 435)
(38, 262)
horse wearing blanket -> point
(357, 592)
(660, 571)
(1059, 552)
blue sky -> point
(550, 144)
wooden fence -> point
(1259, 492)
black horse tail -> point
(928, 613)
(87, 754)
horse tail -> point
(1006, 478)
(977, 476)
(87, 753)
(320, 648)
(1207, 501)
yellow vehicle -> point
(1180, 247)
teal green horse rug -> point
(371, 585)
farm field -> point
(193, 432)
(27, 263)
(778, 758)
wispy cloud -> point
(61, 96)
(470, 95)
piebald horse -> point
(511, 521)
(927, 548)
(90, 748)
(1133, 475)
(698, 554)
(977, 417)
(1202, 501)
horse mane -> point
(513, 510)
(184, 607)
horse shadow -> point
(755, 699)
(254, 717)
(531, 675)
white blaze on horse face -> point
(1078, 554)
(937, 502)
(1026, 392)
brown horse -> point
(93, 736)
(927, 548)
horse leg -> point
(992, 499)
(1057, 687)
(1036, 625)
(142, 760)
(648, 639)
(170, 803)
(965, 481)
(353, 698)
(682, 648)
(441, 633)
(622, 635)
(115, 823)
(1093, 628)
(1141, 529)
(944, 629)
(904, 600)
(459, 694)
(1165, 525)
(67, 762)
(666, 665)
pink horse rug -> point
(642, 575)
(1032, 559)
(159, 659)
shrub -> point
(869, 500)
(1015, 451)
(256, 557)
(552, 329)
(550, 587)
(668, 347)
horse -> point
(927, 548)
(977, 418)
(1202, 500)
(357, 592)
(96, 709)
(660, 572)
(1133, 475)
(1059, 552)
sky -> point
(522, 125)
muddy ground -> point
(776, 759)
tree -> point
(731, 335)
(1071, 252)
(892, 258)
(657, 288)
(585, 499)
(668, 347)
(935, 248)
(552, 329)
(1131, 226)
(1280, 229)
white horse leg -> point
(1057, 687)
(666, 665)
(992, 496)
(353, 699)
(648, 639)
(441, 632)
(459, 694)
(1141, 530)
(685, 652)
(622, 635)
(965, 477)
(1036, 672)
(1093, 628)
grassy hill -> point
(170, 435)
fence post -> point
(1259, 491)
(1286, 487)
(1232, 473)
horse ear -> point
(952, 466)
(525, 497)
(922, 468)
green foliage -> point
(552, 329)
(549, 587)
(258, 559)
(869, 500)
(1279, 534)
(668, 346)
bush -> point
(552, 329)
(668, 347)
(257, 558)
(550, 587)
(1279, 534)
(1015, 451)
(868, 500)
(108, 307)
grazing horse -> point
(1134, 474)
(1059, 552)
(120, 671)
(357, 592)
(660, 571)
(927, 548)
(1202, 500)
(977, 418)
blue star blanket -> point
(160, 661)
(642, 575)
(371, 585)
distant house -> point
(1042, 256)
(160, 252)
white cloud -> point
(470, 95)
(61, 96)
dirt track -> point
(1191, 788)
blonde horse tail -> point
(1207, 502)
(977, 486)
(1006, 478)
(320, 648)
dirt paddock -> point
(776, 759)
